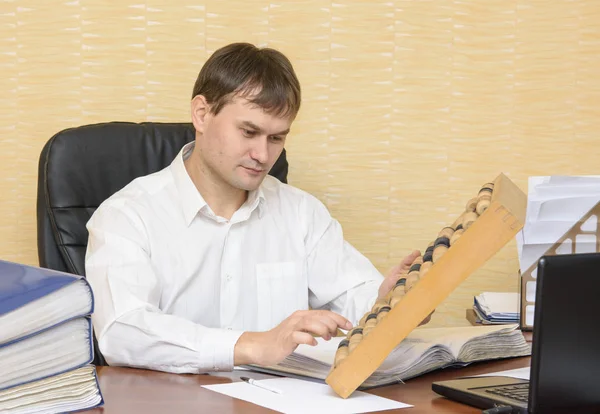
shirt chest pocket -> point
(281, 289)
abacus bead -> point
(363, 319)
(382, 312)
(456, 236)
(446, 232)
(487, 186)
(395, 300)
(355, 339)
(370, 324)
(459, 220)
(398, 294)
(469, 219)
(471, 204)
(379, 304)
(353, 331)
(341, 353)
(439, 252)
(411, 279)
(483, 204)
(399, 284)
(427, 257)
(415, 268)
(425, 268)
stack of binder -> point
(46, 341)
(493, 308)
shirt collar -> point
(256, 199)
(192, 201)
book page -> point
(455, 337)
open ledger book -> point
(424, 350)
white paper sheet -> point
(554, 205)
(305, 397)
(521, 373)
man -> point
(212, 263)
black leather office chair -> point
(81, 167)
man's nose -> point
(260, 150)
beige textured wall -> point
(409, 106)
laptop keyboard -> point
(519, 392)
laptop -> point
(565, 357)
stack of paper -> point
(497, 307)
(45, 341)
(554, 205)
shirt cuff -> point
(221, 345)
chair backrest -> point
(81, 167)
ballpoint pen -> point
(260, 385)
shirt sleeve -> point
(130, 327)
(341, 279)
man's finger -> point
(341, 322)
(323, 326)
(317, 328)
(303, 338)
(331, 325)
(408, 260)
(411, 257)
(338, 319)
(396, 269)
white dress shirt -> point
(175, 285)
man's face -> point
(241, 143)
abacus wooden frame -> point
(486, 236)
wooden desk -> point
(129, 390)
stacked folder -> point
(46, 341)
(496, 308)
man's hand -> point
(394, 274)
(271, 347)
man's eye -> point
(277, 139)
(248, 132)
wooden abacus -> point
(489, 221)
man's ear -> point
(200, 109)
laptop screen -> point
(565, 371)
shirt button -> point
(229, 328)
(228, 277)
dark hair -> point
(263, 76)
